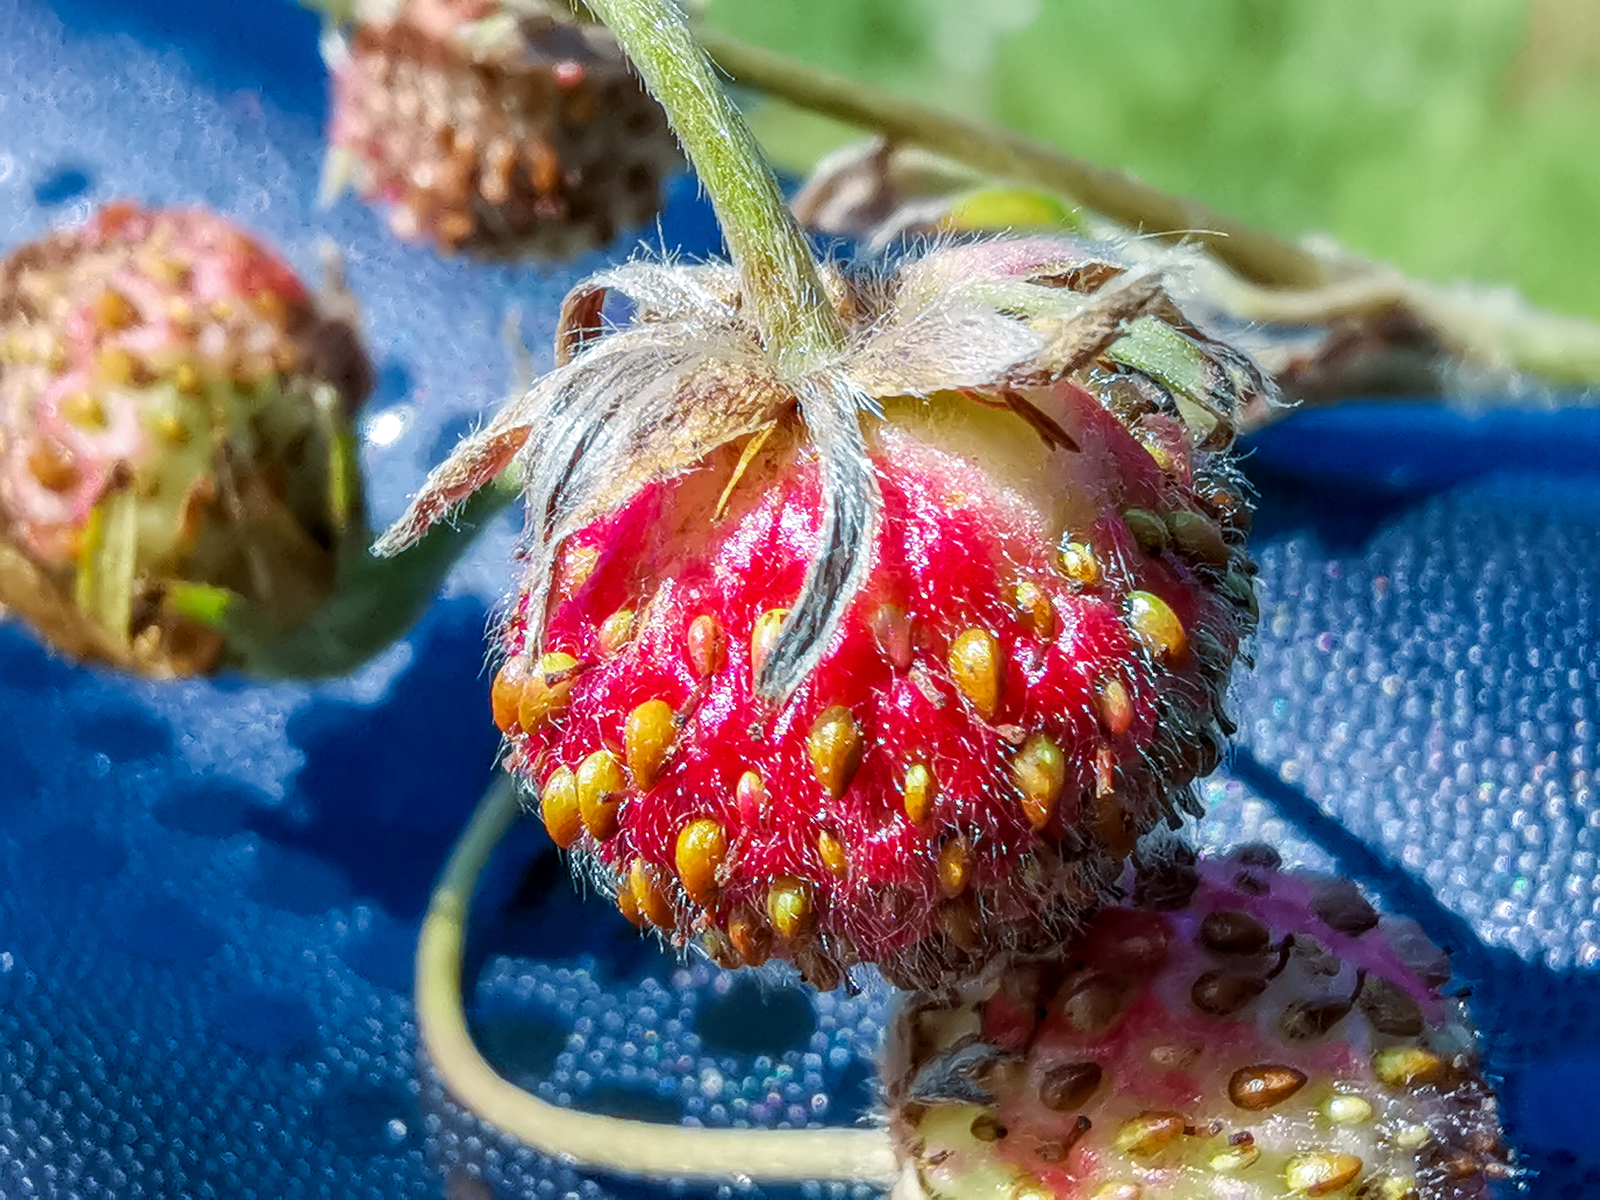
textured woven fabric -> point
(209, 891)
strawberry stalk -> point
(798, 327)
(583, 1139)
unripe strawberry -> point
(495, 127)
(1231, 1031)
(893, 678)
(174, 410)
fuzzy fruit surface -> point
(496, 129)
(174, 405)
(1235, 1030)
(978, 746)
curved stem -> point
(584, 1139)
(1258, 256)
(799, 327)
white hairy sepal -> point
(687, 374)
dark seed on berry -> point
(1069, 1085)
(1228, 931)
(1258, 854)
(1314, 957)
(1149, 530)
(1222, 993)
(1197, 539)
(1417, 951)
(750, 935)
(1264, 1086)
(987, 1128)
(1092, 1001)
(1166, 885)
(1390, 1008)
(1308, 1019)
(1340, 903)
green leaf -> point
(1164, 354)
(201, 602)
(103, 587)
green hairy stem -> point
(798, 326)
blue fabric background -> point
(209, 891)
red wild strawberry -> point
(1234, 1031)
(891, 664)
(174, 408)
(497, 127)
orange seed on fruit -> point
(750, 935)
(764, 636)
(955, 860)
(976, 667)
(832, 851)
(705, 645)
(789, 907)
(891, 626)
(51, 464)
(646, 738)
(648, 895)
(1040, 771)
(701, 849)
(558, 806)
(1079, 564)
(1157, 627)
(1320, 1173)
(750, 795)
(548, 690)
(1116, 706)
(1033, 604)
(834, 746)
(506, 694)
(600, 788)
(615, 631)
(113, 310)
(919, 793)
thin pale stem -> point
(584, 1139)
(1258, 256)
(797, 324)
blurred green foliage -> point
(1458, 139)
